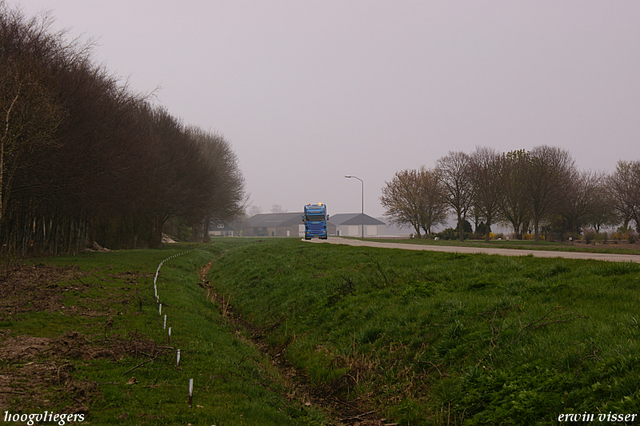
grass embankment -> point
(442, 338)
(90, 339)
(613, 247)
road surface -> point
(501, 251)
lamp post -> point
(362, 214)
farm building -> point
(350, 225)
(274, 225)
(290, 225)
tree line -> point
(84, 159)
(536, 191)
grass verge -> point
(445, 338)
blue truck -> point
(315, 220)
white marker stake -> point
(178, 359)
(169, 341)
(190, 391)
(165, 323)
(160, 309)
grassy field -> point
(84, 335)
(376, 336)
(440, 338)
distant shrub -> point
(623, 233)
(589, 236)
(632, 236)
(450, 234)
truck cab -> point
(315, 219)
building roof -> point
(273, 220)
(270, 220)
(353, 219)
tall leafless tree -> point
(401, 199)
(513, 205)
(487, 174)
(225, 195)
(415, 197)
(29, 114)
(549, 172)
(454, 172)
(601, 210)
(624, 187)
(434, 208)
(586, 203)
(81, 156)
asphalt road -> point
(499, 251)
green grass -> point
(110, 301)
(446, 338)
(413, 337)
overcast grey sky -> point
(309, 91)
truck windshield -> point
(315, 217)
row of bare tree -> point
(525, 189)
(84, 159)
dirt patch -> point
(74, 345)
(43, 384)
(39, 288)
(37, 372)
(34, 288)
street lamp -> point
(362, 215)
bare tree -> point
(226, 192)
(401, 199)
(434, 208)
(415, 197)
(624, 187)
(487, 177)
(29, 114)
(224, 186)
(513, 205)
(82, 157)
(601, 210)
(454, 172)
(550, 171)
(587, 203)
